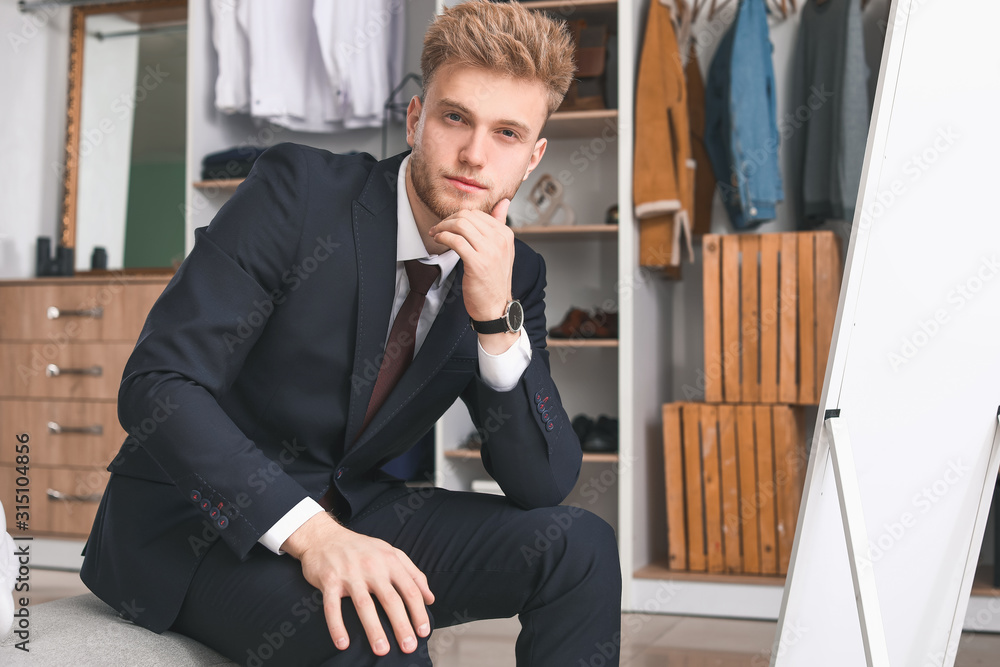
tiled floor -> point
(648, 640)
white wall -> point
(33, 70)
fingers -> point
(402, 602)
(405, 602)
(472, 228)
(418, 577)
(335, 621)
(500, 211)
(361, 567)
(398, 619)
(416, 594)
(469, 232)
(368, 615)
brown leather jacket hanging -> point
(661, 177)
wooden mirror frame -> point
(74, 99)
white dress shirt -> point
(232, 87)
(500, 372)
(308, 65)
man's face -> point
(474, 138)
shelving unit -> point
(564, 5)
(582, 342)
(567, 232)
(590, 153)
(588, 457)
(222, 184)
(570, 124)
(586, 263)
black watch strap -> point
(511, 321)
(489, 326)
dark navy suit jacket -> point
(251, 377)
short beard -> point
(433, 197)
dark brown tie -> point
(402, 335)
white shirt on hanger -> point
(288, 81)
(362, 49)
(232, 86)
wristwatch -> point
(512, 320)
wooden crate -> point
(734, 477)
(770, 303)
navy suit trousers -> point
(556, 568)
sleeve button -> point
(222, 522)
(549, 426)
(195, 495)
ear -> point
(536, 157)
(412, 118)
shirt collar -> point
(409, 245)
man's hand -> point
(342, 563)
(486, 246)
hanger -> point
(713, 8)
(864, 3)
(779, 8)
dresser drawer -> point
(107, 310)
(61, 502)
(47, 370)
(82, 434)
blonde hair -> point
(505, 38)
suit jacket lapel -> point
(449, 330)
(374, 219)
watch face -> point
(515, 315)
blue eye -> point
(455, 117)
(509, 133)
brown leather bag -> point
(591, 55)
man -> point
(268, 391)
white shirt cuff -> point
(288, 524)
(501, 372)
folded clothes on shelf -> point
(233, 162)
(579, 323)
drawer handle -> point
(96, 429)
(66, 498)
(54, 313)
(52, 371)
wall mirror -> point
(124, 180)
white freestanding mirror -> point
(903, 462)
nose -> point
(473, 151)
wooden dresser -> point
(63, 345)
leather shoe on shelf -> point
(579, 323)
(600, 436)
(603, 437)
(582, 425)
(570, 325)
(604, 324)
(474, 441)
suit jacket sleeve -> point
(195, 341)
(529, 446)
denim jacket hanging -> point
(741, 118)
